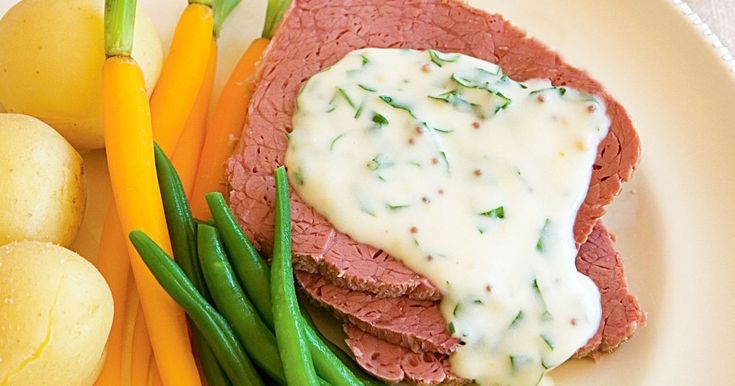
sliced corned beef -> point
(394, 363)
(418, 324)
(315, 34)
(621, 313)
(415, 324)
(377, 351)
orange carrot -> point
(132, 305)
(141, 352)
(188, 150)
(154, 378)
(129, 145)
(181, 75)
(114, 262)
(227, 121)
(114, 265)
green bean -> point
(254, 275)
(265, 273)
(295, 355)
(252, 271)
(180, 224)
(213, 372)
(213, 326)
(182, 230)
(230, 300)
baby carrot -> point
(132, 307)
(230, 113)
(227, 121)
(154, 378)
(188, 150)
(182, 74)
(114, 265)
(141, 352)
(113, 262)
(129, 146)
(189, 147)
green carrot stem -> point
(119, 26)
(222, 9)
(273, 15)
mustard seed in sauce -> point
(478, 124)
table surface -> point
(720, 16)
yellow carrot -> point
(154, 378)
(188, 150)
(129, 145)
(141, 352)
(225, 126)
(114, 265)
(182, 74)
(132, 305)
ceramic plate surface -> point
(674, 221)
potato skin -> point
(43, 190)
(51, 64)
(55, 316)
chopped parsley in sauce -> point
(420, 153)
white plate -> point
(674, 221)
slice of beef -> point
(415, 324)
(419, 326)
(315, 34)
(621, 313)
(317, 246)
(395, 361)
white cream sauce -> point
(470, 179)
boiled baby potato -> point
(51, 56)
(42, 184)
(55, 315)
